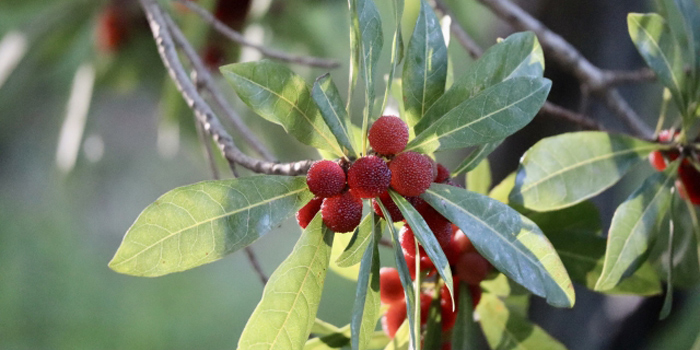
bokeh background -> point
(70, 187)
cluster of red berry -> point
(688, 183)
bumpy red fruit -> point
(393, 318)
(472, 268)
(388, 135)
(342, 213)
(442, 174)
(325, 179)
(390, 206)
(369, 177)
(691, 182)
(411, 173)
(408, 246)
(307, 212)
(390, 288)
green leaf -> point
(654, 41)
(475, 158)
(396, 50)
(279, 95)
(322, 327)
(575, 234)
(519, 55)
(340, 242)
(366, 308)
(508, 330)
(197, 224)
(353, 253)
(401, 339)
(634, 226)
(285, 315)
(682, 18)
(501, 191)
(668, 298)
(426, 238)
(479, 179)
(511, 242)
(467, 332)
(335, 340)
(515, 296)
(490, 116)
(329, 102)
(560, 171)
(425, 69)
(433, 327)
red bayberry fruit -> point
(389, 204)
(442, 174)
(325, 179)
(411, 265)
(446, 346)
(388, 135)
(459, 245)
(342, 213)
(691, 182)
(425, 301)
(657, 160)
(307, 212)
(475, 294)
(393, 318)
(406, 238)
(390, 288)
(111, 29)
(411, 173)
(472, 268)
(369, 177)
(442, 229)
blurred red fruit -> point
(443, 174)
(472, 268)
(111, 29)
(389, 204)
(393, 318)
(690, 177)
(307, 212)
(390, 288)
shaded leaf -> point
(197, 224)
(511, 242)
(501, 191)
(335, 340)
(279, 95)
(489, 116)
(285, 315)
(358, 243)
(433, 327)
(566, 169)
(475, 157)
(466, 335)
(479, 179)
(330, 104)
(366, 308)
(515, 296)
(396, 51)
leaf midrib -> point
(335, 113)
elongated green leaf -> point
(279, 95)
(467, 332)
(336, 340)
(396, 50)
(197, 224)
(682, 18)
(508, 330)
(474, 158)
(560, 171)
(515, 296)
(322, 327)
(286, 313)
(401, 339)
(668, 298)
(329, 102)
(654, 41)
(479, 179)
(575, 234)
(634, 226)
(511, 242)
(365, 311)
(433, 327)
(490, 116)
(518, 55)
(362, 237)
(426, 238)
(425, 69)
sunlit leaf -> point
(366, 308)
(197, 224)
(329, 102)
(286, 313)
(358, 243)
(479, 179)
(467, 330)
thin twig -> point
(560, 112)
(237, 37)
(203, 78)
(597, 80)
(614, 78)
(202, 111)
(206, 146)
(472, 48)
(256, 265)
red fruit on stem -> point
(390, 206)
(690, 177)
(325, 179)
(411, 173)
(657, 160)
(459, 245)
(307, 212)
(388, 135)
(472, 268)
(342, 213)
(393, 318)
(369, 177)
(390, 288)
(442, 174)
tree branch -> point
(256, 265)
(202, 111)
(237, 37)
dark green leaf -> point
(366, 308)
(634, 227)
(425, 69)
(511, 242)
(682, 18)
(508, 330)
(433, 328)
(427, 239)
(466, 335)
(359, 242)
(518, 55)
(668, 298)
(560, 171)
(329, 102)
(490, 116)
(197, 224)
(479, 179)
(396, 50)
(474, 158)
(286, 313)
(575, 234)
(279, 95)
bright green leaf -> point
(286, 313)
(515, 296)
(425, 69)
(511, 242)
(501, 191)
(560, 171)
(279, 95)
(358, 243)
(396, 50)
(479, 179)
(490, 116)
(433, 327)
(474, 158)
(366, 308)
(634, 227)
(197, 224)
(329, 102)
